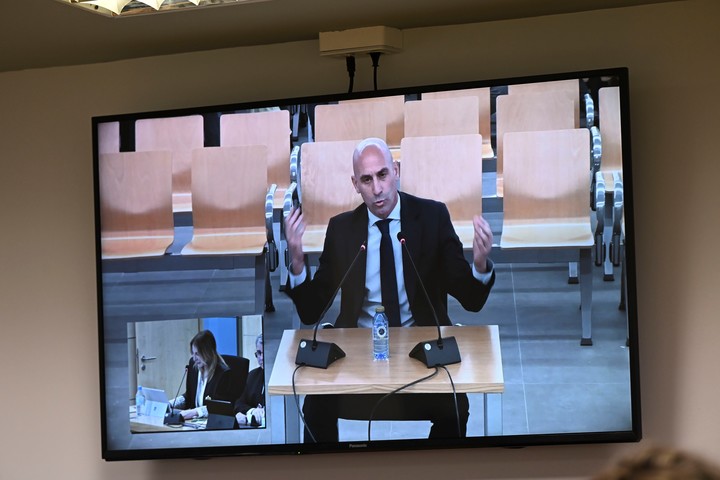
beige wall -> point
(48, 345)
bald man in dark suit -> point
(438, 255)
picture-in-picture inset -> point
(196, 374)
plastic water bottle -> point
(381, 335)
(139, 402)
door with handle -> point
(162, 351)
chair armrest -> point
(295, 164)
(618, 205)
(596, 149)
(595, 161)
(296, 170)
(600, 216)
(589, 110)
(290, 199)
(271, 252)
(269, 212)
(599, 202)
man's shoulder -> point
(351, 216)
(419, 203)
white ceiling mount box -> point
(361, 40)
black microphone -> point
(174, 418)
(312, 353)
(433, 353)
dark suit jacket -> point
(218, 388)
(434, 246)
(237, 376)
(254, 393)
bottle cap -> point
(379, 309)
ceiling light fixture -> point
(114, 6)
(126, 8)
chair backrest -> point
(524, 112)
(271, 128)
(229, 185)
(326, 171)
(239, 367)
(569, 88)
(445, 168)
(546, 176)
(135, 203)
(179, 135)
(483, 96)
(394, 116)
(442, 116)
(350, 121)
(610, 129)
(109, 137)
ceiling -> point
(46, 33)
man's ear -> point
(354, 182)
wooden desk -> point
(479, 372)
(147, 424)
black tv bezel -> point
(525, 440)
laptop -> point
(156, 402)
(221, 415)
(158, 405)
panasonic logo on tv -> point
(357, 445)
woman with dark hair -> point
(207, 377)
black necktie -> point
(388, 281)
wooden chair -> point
(272, 129)
(545, 204)
(233, 210)
(179, 135)
(442, 116)
(229, 187)
(523, 112)
(135, 204)
(483, 95)
(326, 187)
(448, 169)
(350, 121)
(394, 117)
(569, 88)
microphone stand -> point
(312, 353)
(173, 418)
(433, 353)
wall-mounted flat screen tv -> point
(231, 325)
